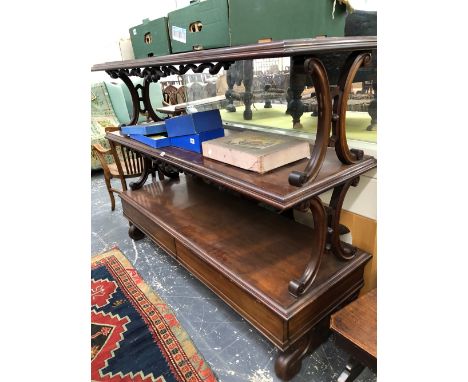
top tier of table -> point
(284, 48)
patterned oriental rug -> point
(135, 337)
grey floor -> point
(233, 348)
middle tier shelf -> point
(245, 253)
(271, 188)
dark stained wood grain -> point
(245, 253)
(248, 52)
(318, 73)
(317, 244)
(356, 328)
(334, 211)
(272, 188)
(355, 61)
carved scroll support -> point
(151, 166)
(147, 101)
(355, 61)
(141, 93)
(334, 243)
(314, 67)
(299, 287)
(123, 74)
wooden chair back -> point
(170, 95)
(131, 161)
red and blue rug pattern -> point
(135, 337)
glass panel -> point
(361, 115)
(256, 95)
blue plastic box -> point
(156, 128)
(193, 142)
(151, 141)
(194, 123)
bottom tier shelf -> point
(244, 253)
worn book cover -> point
(256, 151)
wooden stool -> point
(355, 327)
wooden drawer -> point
(308, 317)
(150, 228)
(265, 320)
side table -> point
(355, 327)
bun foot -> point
(135, 233)
(289, 362)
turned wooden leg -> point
(352, 370)
(373, 110)
(111, 194)
(289, 362)
(231, 76)
(135, 233)
(296, 108)
(288, 101)
(248, 96)
(297, 83)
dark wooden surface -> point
(356, 328)
(245, 253)
(254, 51)
(271, 188)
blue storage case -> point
(161, 141)
(193, 142)
(156, 128)
(194, 123)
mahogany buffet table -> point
(285, 278)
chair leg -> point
(111, 194)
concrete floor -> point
(233, 348)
